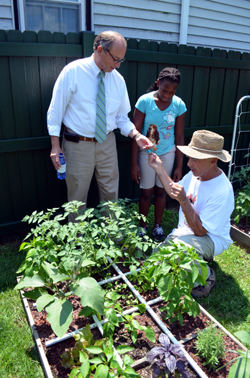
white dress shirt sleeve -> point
(62, 93)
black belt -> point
(75, 137)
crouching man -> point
(206, 200)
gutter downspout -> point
(184, 22)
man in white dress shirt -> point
(74, 105)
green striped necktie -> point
(101, 124)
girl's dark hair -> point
(169, 73)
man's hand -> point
(177, 192)
(143, 142)
(135, 173)
(155, 162)
(55, 151)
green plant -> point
(173, 269)
(61, 259)
(241, 368)
(242, 204)
(96, 358)
(57, 265)
(121, 288)
(242, 197)
(210, 346)
(142, 282)
(121, 224)
(114, 314)
(166, 358)
(243, 174)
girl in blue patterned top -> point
(160, 115)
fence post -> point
(87, 40)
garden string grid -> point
(99, 324)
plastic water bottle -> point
(61, 173)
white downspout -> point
(184, 22)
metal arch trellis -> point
(238, 113)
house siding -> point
(222, 24)
(6, 15)
(147, 19)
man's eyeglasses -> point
(115, 60)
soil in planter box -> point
(242, 226)
(143, 345)
(127, 299)
(43, 326)
(190, 326)
(148, 294)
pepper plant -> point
(174, 268)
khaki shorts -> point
(149, 177)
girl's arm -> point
(138, 120)
(179, 140)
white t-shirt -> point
(213, 201)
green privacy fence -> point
(212, 83)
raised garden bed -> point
(185, 334)
(66, 268)
(240, 233)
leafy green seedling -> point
(96, 358)
(114, 314)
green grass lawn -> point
(18, 355)
(229, 303)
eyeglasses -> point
(116, 60)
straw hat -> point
(204, 145)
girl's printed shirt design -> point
(153, 135)
(158, 135)
(159, 125)
(165, 133)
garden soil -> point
(121, 337)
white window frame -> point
(82, 16)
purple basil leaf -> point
(182, 369)
(153, 353)
(164, 340)
(170, 363)
(156, 372)
(178, 350)
(160, 363)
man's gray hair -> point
(106, 40)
